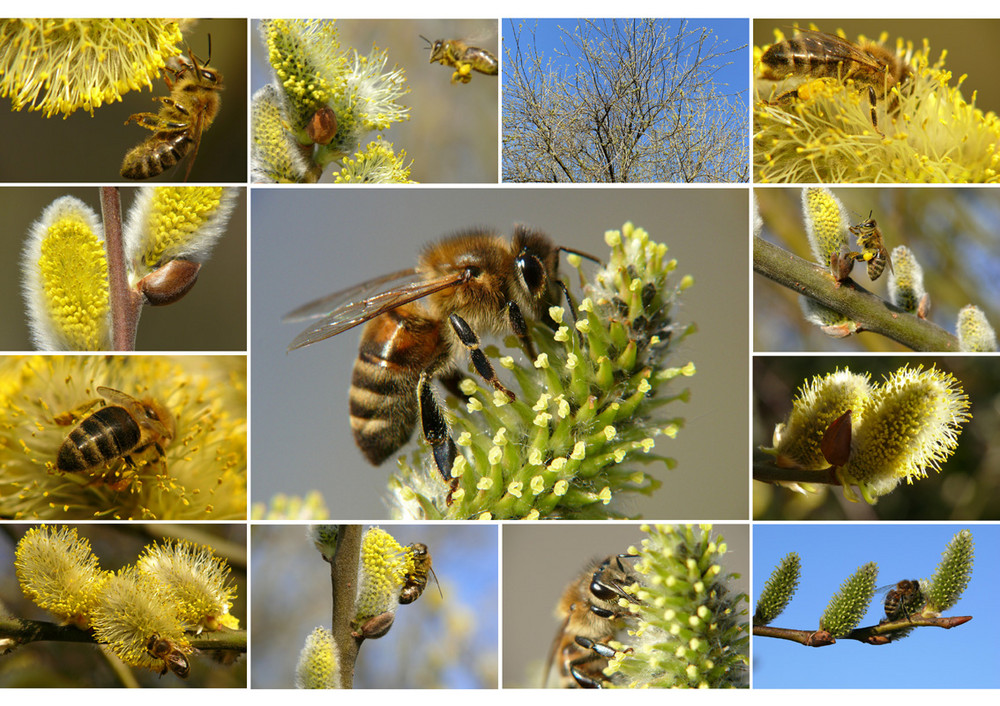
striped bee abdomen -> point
(107, 434)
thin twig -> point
(873, 634)
(126, 304)
(25, 631)
(809, 638)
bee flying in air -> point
(592, 615)
(416, 581)
(189, 110)
(173, 657)
(123, 428)
(812, 54)
(420, 319)
(463, 58)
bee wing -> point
(556, 642)
(135, 406)
(357, 311)
(481, 32)
(117, 396)
(843, 49)
(328, 304)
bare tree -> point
(628, 101)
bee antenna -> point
(582, 254)
(429, 42)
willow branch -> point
(809, 638)
(774, 474)
(870, 312)
(344, 577)
(126, 304)
(24, 631)
(880, 634)
(873, 634)
(765, 471)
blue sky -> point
(734, 31)
(963, 657)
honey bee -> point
(818, 55)
(173, 657)
(463, 58)
(903, 600)
(189, 110)
(592, 615)
(121, 429)
(872, 248)
(416, 581)
(418, 321)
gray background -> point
(310, 243)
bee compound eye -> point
(531, 272)
(602, 591)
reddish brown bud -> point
(322, 126)
(170, 282)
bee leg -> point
(873, 101)
(173, 104)
(151, 121)
(599, 647)
(582, 679)
(520, 328)
(483, 366)
(435, 430)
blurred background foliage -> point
(446, 639)
(452, 132)
(968, 486)
(77, 665)
(954, 234)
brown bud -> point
(836, 442)
(322, 126)
(170, 282)
(376, 627)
